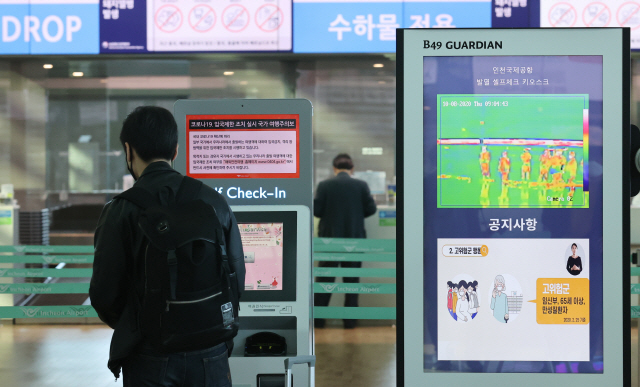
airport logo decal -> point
(329, 287)
(48, 259)
(30, 312)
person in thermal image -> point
(499, 303)
(462, 307)
(526, 164)
(504, 167)
(545, 159)
(485, 158)
(557, 164)
(572, 170)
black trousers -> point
(350, 299)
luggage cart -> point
(288, 366)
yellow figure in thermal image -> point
(504, 167)
(526, 164)
(485, 158)
(557, 162)
(545, 159)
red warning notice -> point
(243, 146)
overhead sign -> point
(511, 155)
(123, 26)
(323, 26)
(592, 13)
(205, 25)
(49, 27)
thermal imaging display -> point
(263, 247)
(513, 150)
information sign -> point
(227, 25)
(370, 26)
(592, 13)
(511, 154)
(243, 146)
(49, 27)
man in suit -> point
(342, 203)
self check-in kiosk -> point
(513, 207)
(258, 155)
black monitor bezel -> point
(289, 219)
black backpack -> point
(190, 299)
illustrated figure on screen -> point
(450, 297)
(545, 159)
(462, 307)
(455, 301)
(499, 301)
(526, 164)
(473, 298)
(574, 262)
(342, 202)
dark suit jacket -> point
(342, 203)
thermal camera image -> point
(512, 150)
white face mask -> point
(500, 287)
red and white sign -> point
(202, 18)
(629, 15)
(169, 18)
(243, 146)
(563, 15)
(219, 25)
(593, 13)
(235, 18)
(269, 17)
(596, 15)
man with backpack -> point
(168, 267)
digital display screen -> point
(263, 249)
(502, 150)
(243, 146)
(513, 222)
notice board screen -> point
(243, 146)
(513, 171)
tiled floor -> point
(69, 356)
(76, 355)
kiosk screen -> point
(263, 246)
(270, 243)
(243, 146)
(513, 213)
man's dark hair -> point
(152, 132)
(343, 161)
(574, 245)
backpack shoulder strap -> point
(140, 197)
(189, 189)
